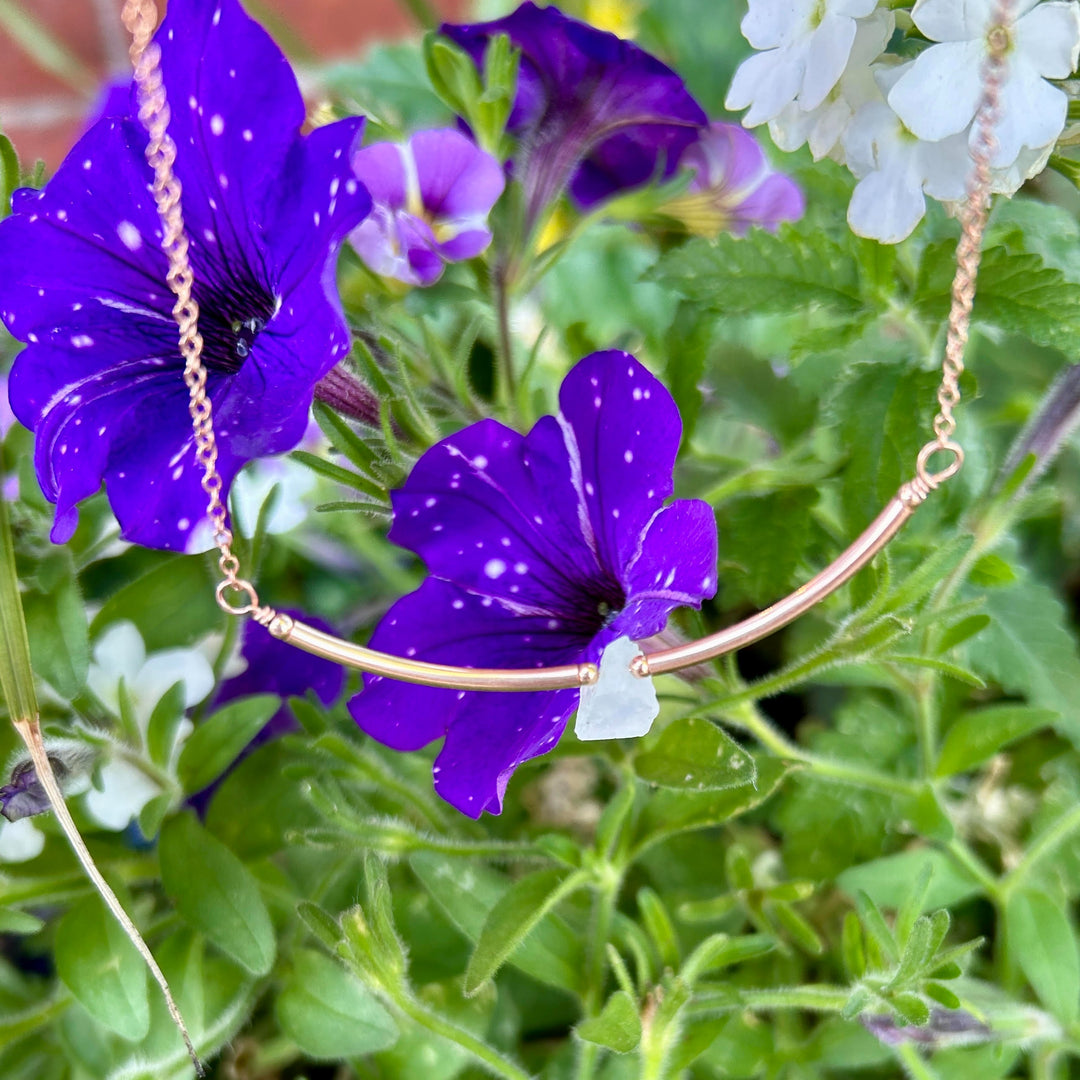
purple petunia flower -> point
(431, 198)
(542, 549)
(733, 186)
(592, 112)
(82, 281)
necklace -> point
(237, 596)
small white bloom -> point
(20, 841)
(253, 485)
(824, 126)
(121, 656)
(807, 44)
(939, 94)
(897, 170)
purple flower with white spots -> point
(542, 549)
(593, 112)
(82, 281)
(431, 197)
(733, 186)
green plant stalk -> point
(1058, 833)
(913, 1063)
(809, 998)
(600, 920)
(16, 674)
(49, 53)
(486, 1056)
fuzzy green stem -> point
(809, 998)
(600, 920)
(487, 1057)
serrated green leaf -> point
(764, 272)
(696, 754)
(102, 968)
(1016, 292)
(977, 736)
(512, 918)
(1029, 649)
(618, 1027)
(329, 1013)
(766, 537)
(881, 413)
(217, 742)
(216, 894)
(1042, 940)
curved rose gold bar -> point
(570, 676)
(877, 534)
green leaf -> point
(329, 1013)
(1017, 292)
(720, 951)
(215, 893)
(552, 953)
(942, 995)
(512, 918)
(1042, 939)
(766, 537)
(101, 967)
(669, 812)
(888, 880)
(881, 412)
(171, 605)
(59, 646)
(977, 736)
(16, 674)
(164, 724)
(875, 926)
(912, 1008)
(657, 922)
(13, 921)
(1029, 649)
(852, 948)
(9, 174)
(763, 273)
(618, 1027)
(961, 631)
(217, 742)
(698, 755)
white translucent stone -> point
(619, 705)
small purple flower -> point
(82, 281)
(733, 186)
(542, 549)
(946, 1027)
(431, 197)
(23, 796)
(593, 112)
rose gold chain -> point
(140, 19)
(969, 250)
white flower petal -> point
(826, 57)
(870, 138)
(1049, 38)
(769, 23)
(886, 206)
(118, 654)
(854, 9)
(766, 82)
(938, 94)
(165, 668)
(953, 20)
(125, 791)
(20, 840)
(944, 167)
(1032, 113)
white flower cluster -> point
(903, 127)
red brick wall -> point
(42, 112)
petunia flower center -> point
(231, 321)
(598, 605)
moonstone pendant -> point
(619, 705)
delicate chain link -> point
(969, 250)
(140, 19)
